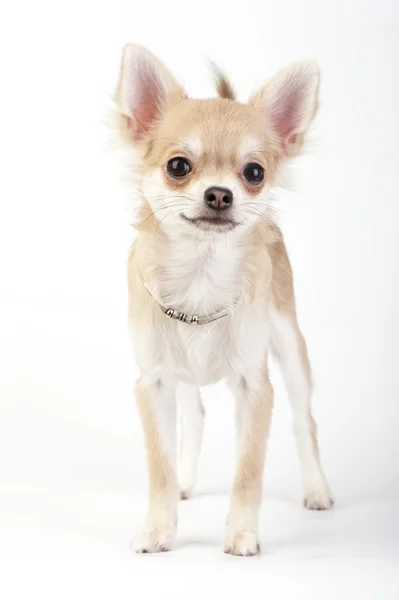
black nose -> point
(218, 198)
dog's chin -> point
(210, 224)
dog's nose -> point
(218, 198)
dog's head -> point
(209, 164)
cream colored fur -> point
(200, 267)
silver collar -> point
(172, 313)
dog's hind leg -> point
(192, 416)
(290, 350)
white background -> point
(72, 465)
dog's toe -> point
(154, 540)
(318, 499)
(243, 543)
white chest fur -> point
(202, 279)
(199, 277)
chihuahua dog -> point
(210, 282)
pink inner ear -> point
(287, 114)
(145, 96)
(289, 140)
(286, 110)
(144, 116)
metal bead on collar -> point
(183, 317)
(180, 316)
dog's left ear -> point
(290, 101)
(146, 90)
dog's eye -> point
(254, 173)
(178, 167)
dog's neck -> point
(197, 275)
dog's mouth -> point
(207, 222)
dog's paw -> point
(242, 543)
(154, 540)
(186, 484)
(318, 499)
(185, 493)
(186, 488)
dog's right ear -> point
(146, 89)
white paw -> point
(186, 484)
(242, 543)
(318, 499)
(154, 540)
(185, 493)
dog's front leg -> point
(157, 406)
(254, 403)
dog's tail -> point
(223, 85)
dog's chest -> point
(235, 344)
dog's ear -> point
(146, 89)
(290, 101)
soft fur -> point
(201, 266)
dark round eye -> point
(254, 173)
(178, 167)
